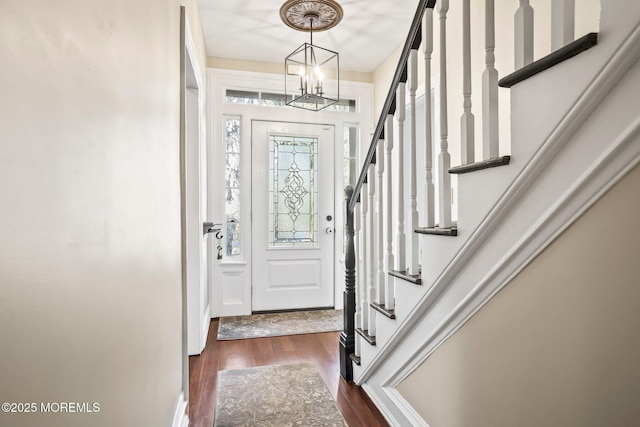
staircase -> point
(417, 270)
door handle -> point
(210, 227)
(329, 230)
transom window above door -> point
(270, 99)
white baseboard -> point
(395, 409)
(180, 417)
(407, 410)
(206, 321)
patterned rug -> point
(278, 324)
(275, 396)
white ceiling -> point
(252, 30)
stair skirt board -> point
(611, 163)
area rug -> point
(278, 324)
(275, 396)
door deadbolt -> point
(329, 217)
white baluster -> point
(490, 138)
(444, 159)
(356, 244)
(563, 13)
(467, 121)
(381, 282)
(372, 249)
(362, 273)
(414, 248)
(427, 49)
(523, 27)
(390, 291)
(400, 237)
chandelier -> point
(312, 73)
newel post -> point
(347, 337)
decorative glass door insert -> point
(293, 191)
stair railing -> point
(368, 288)
(353, 194)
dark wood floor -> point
(319, 349)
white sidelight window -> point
(232, 205)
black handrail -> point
(352, 195)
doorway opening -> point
(193, 206)
(239, 102)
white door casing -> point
(230, 277)
(292, 215)
(195, 176)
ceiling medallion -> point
(302, 14)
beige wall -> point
(278, 68)
(559, 345)
(90, 209)
(382, 78)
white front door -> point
(292, 246)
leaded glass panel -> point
(293, 191)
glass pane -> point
(293, 191)
(273, 99)
(232, 185)
(352, 141)
(232, 129)
(232, 204)
(346, 105)
(232, 170)
(242, 97)
(350, 148)
(233, 238)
